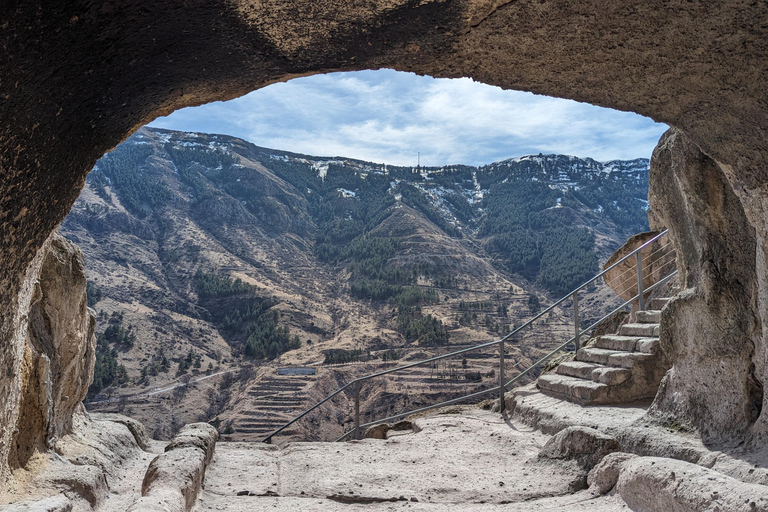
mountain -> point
(209, 255)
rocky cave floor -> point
(547, 454)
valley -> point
(213, 262)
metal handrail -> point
(517, 377)
(578, 332)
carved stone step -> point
(594, 372)
(649, 316)
(578, 369)
(611, 376)
(639, 330)
(616, 342)
(615, 358)
(659, 303)
(647, 345)
(574, 389)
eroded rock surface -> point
(173, 478)
(59, 354)
(468, 459)
(652, 483)
(585, 445)
(711, 330)
(50, 445)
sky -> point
(393, 117)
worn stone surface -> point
(135, 427)
(653, 483)
(711, 329)
(603, 477)
(202, 436)
(470, 459)
(552, 414)
(58, 503)
(585, 445)
(584, 501)
(92, 465)
(174, 478)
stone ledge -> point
(174, 478)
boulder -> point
(377, 432)
(585, 445)
(603, 477)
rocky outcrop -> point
(711, 330)
(58, 355)
(49, 443)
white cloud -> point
(387, 116)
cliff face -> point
(57, 355)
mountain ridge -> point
(339, 254)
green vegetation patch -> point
(124, 167)
(244, 318)
(107, 370)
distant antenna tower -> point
(418, 159)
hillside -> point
(209, 256)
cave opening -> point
(317, 151)
(79, 78)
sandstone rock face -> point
(711, 330)
(78, 77)
(58, 357)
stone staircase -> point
(621, 367)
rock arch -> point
(78, 77)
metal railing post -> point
(576, 326)
(502, 378)
(357, 409)
(640, 299)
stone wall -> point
(78, 77)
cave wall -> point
(711, 330)
(58, 353)
(78, 77)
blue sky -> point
(388, 116)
